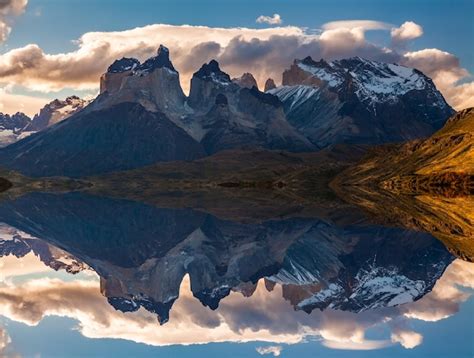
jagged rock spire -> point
(162, 59)
(212, 71)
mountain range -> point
(142, 115)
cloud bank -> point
(264, 52)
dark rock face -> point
(221, 100)
(16, 122)
(212, 72)
(56, 111)
(269, 85)
(360, 101)
(249, 118)
(4, 185)
(121, 137)
(162, 59)
(123, 65)
(206, 84)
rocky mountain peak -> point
(269, 85)
(246, 81)
(212, 72)
(161, 60)
(56, 111)
(15, 122)
(125, 64)
(384, 101)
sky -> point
(54, 48)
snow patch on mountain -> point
(295, 273)
(373, 81)
(295, 95)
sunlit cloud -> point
(408, 339)
(271, 20)
(409, 30)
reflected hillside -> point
(426, 185)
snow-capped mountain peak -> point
(374, 81)
(56, 111)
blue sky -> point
(56, 25)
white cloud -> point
(408, 339)
(275, 350)
(271, 20)
(407, 31)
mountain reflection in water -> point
(207, 278)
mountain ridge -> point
(221, 113)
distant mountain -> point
(19, 244)
(16, 122)
(360, 101)
(12, 127)
(55, 112)
(18, 126)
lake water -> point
(83, 275)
